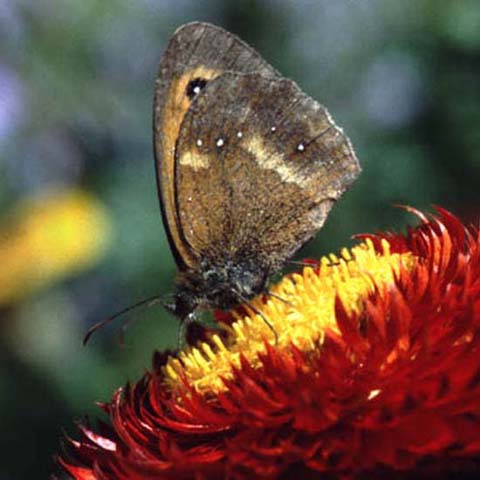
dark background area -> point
(76, 86)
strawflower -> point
(375, 374)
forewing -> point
(258, 165)
(196, 51)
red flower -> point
(376, 374)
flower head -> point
(376, 370)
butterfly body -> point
(221, 286)
(248, 167)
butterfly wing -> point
(258, 166)
(196, 54)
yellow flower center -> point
(301, 311)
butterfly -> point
(248, 167)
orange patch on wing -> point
(176, 107)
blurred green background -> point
(76, 85)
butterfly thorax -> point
(219, 286)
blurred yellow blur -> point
(49, 236)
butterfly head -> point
(219, 286)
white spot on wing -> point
(220, 142)
(239, 134)
(300, 147)
(199, 143)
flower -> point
(47, 237)
(375, 374)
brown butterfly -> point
(248, 167)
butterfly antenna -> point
(303, 263)
(148, 302)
